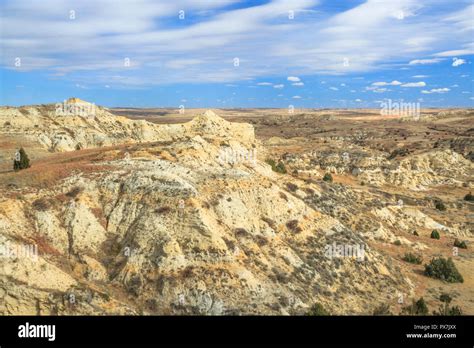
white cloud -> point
(293, 79)
(334, 88)
(457, 62)
(358, 100)
(265, 84)
(420, 76)
(414, 84)
(279, 86)
(296, 97)
(202, 49)
(424, 61)
(298, 84)
(393, 83)
(463, 52)
(436, 90)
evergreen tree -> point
(22, 162)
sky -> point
(230, 54)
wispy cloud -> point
(414, 84)
(425, 61)
(293, 79)
(382, 83)
(436, 90)
(216, 42)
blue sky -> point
(226, 53)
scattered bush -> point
(383, 309)
(397, 242)
(261, 241)
(412, 258)
(317, 310)
(23, 163)
(163, 210)
(440, 205)
(415, 233)
(435, 234)
(416, 308)
(74, 192)
(240, 232)
(134, 284)
(469, 197)
(292, 225)
(460, 244)
(41, 204)
(279, 168)
(327, 177)
(445, 309)
(291, 187)
(444, 269)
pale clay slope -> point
(418, 172)
(98, 128)
(227, 250)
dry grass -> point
(48, 171)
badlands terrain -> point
(152, 211)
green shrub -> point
(397, 242)
(327, 177)
(317, 310)
(415, 233)
(444, 269)
(435, 234)
(412, 258)
(445, 309)
(279, 168)
(23, 163)
(469, 197)
(459, 244)
(440, 205)
(416, 308)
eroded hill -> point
(190, 219)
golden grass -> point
(48, 171)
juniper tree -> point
(21, 161)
